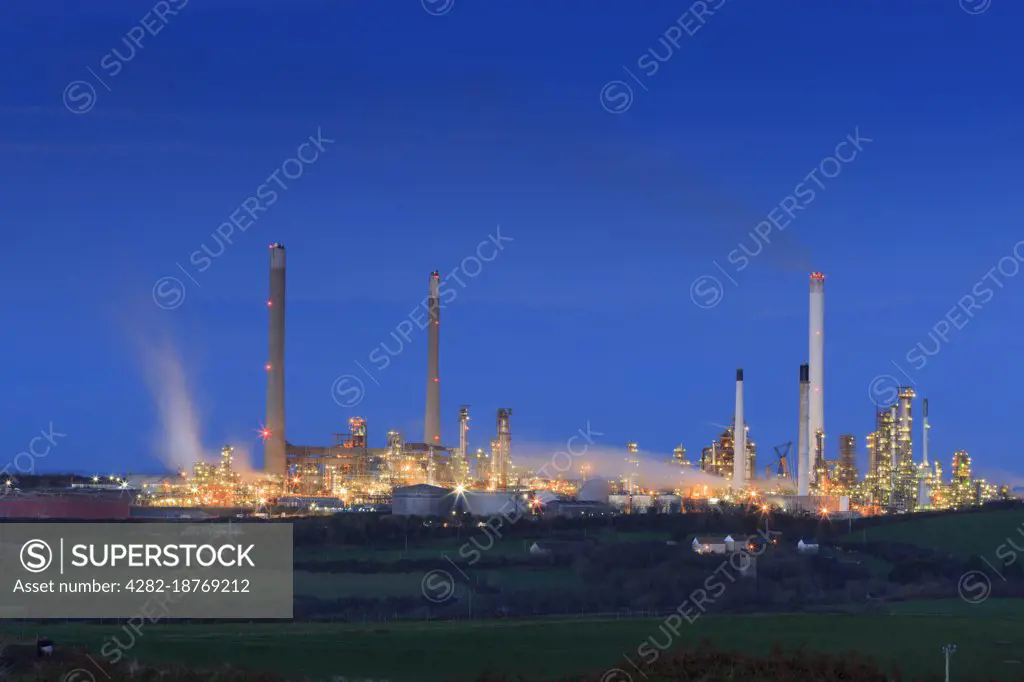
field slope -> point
(962, 534)
(989, 637)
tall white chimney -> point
(739, 456)
(432, 418)
(275, 456)
(803, 459)
(816, 356)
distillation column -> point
(462, 459)
(503, 451)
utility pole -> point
(948, 650)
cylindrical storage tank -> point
(480, 503)
(642, 502)
(620, 502)
(669, 503)
(422, 500)
(594, 490)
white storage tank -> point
(594, 490)
(422, 500)
(492, 503)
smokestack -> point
(816, 404)
(739, 441)
(274, 461)
(803, 458)
(432, 422)
(924, 438)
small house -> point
(805, 548)
(711, 544)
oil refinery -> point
(426, 477)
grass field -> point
(1007, 609)
(438, 549)
(987, 636)
(512, 547)
(959, 534)
(350, 585)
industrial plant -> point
(429, 478)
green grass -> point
(348, 585)
(546, 580)
(1007, 609)
(437, 549)
(510, 547)
(878, 568)
(610, 535)
(959, 534)
(436, 652)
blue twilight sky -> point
(448, 120)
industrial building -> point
(428, 478)
(718, 458)
(892, 481)
(577, 509)
(847, 469)
(351, 470)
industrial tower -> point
(502, 464)
(632, 467)
(803, 456)
(906, 469)
(739, 460)
(274, 461)
(357, 433)
(462, 457)
(432, 422)
(924, 490)
(847, 468)
(893, 457)
(816, 362)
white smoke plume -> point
(179, 444)
(655, 470)
(242, 461)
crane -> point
(781, 462)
